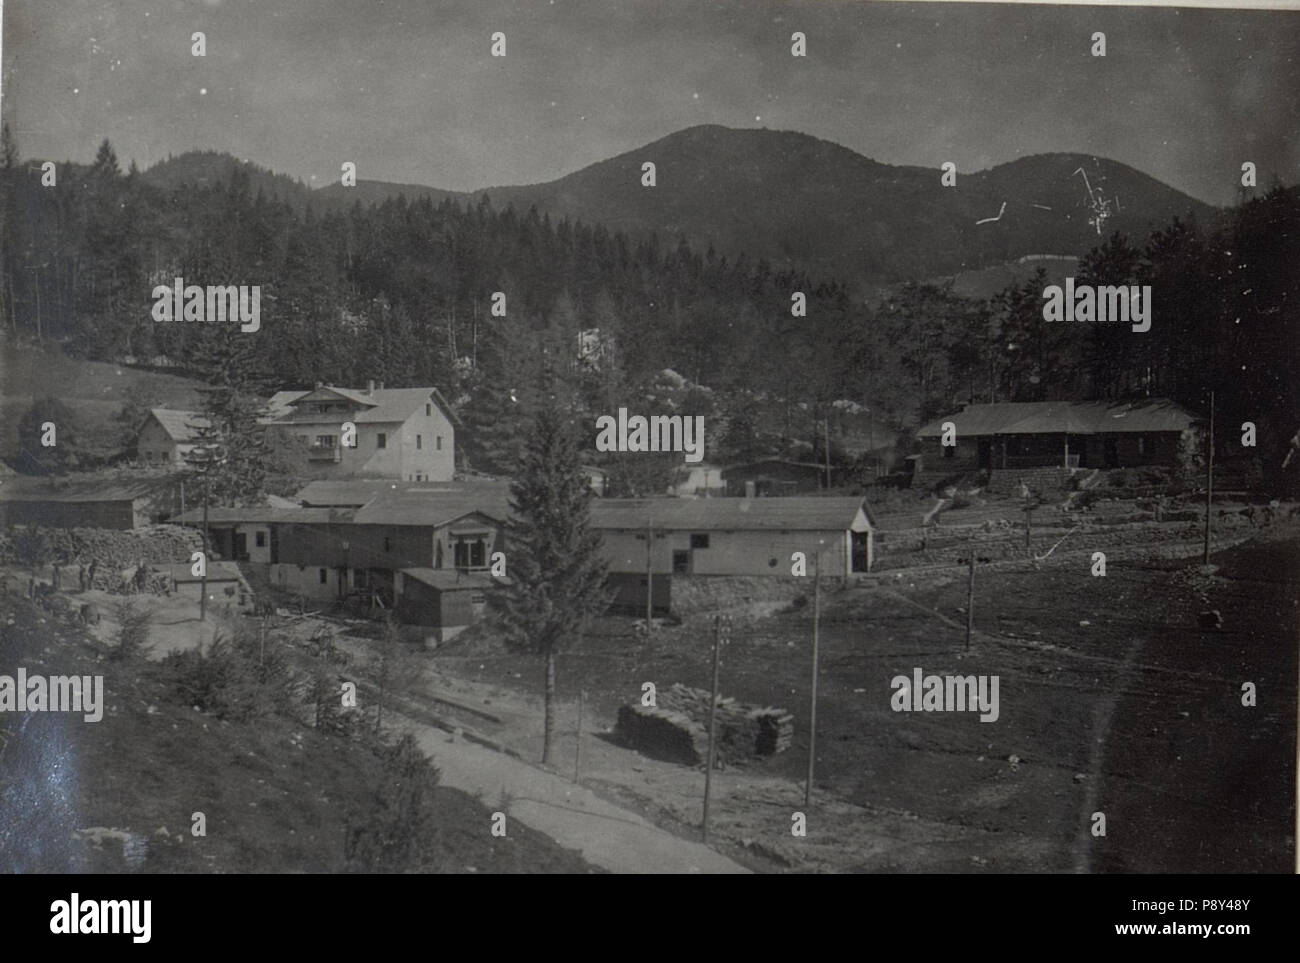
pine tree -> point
(556, 571)
(230, 443)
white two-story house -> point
(402, 433)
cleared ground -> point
(1112, 700)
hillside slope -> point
(803, 202)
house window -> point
(259, 539)
(428, 411)
(1142, 445)
(324, 576)
(388, 544)
(469, 553)
(477, 598)
(949, 451)
(381, 440)
(700, 541)
(681, 563)
(419, 442)
(437, 442)
(325, 441)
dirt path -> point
(607, 835)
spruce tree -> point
(555, 567)
(230, 441)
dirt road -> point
(607, 835)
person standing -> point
(58, 576)
(90, 575)
(81, 575)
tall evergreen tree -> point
(556, 573)
(231, 442)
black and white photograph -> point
(649, 437)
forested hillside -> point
(401, 292)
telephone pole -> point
(812, 712)
(970, 598)
(826, 443)
(720, 624)
(203, 584)
(1209, 479)
(649, 577)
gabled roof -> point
(785, 462)
(26, 489)
(261, 515)
(178, 423)
(434, 505)
(801, 514)
(383, 406)
(344, 493)
(1070, 417)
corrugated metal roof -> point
(1073, 417)
(832, 514)
(180, 425)
(449, 579)
(433, 505)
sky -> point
(409, 92)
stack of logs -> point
(677, 728)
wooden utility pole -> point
(970, 598)
(812, 711)
(203, 584)
(649, 576)
(577, 751)
(1209, 479)
(713, 706)
(826, 442)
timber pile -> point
(111, 549)
(677, 729)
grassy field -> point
(94, 390)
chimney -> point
(319, 385)
(370, 386)
(381, 386)
(749, 488)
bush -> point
(134, 621)
(240, 677)
(395, 831)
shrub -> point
(395, 831)
(134, 621)
(240, 677)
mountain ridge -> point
(801, 202)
